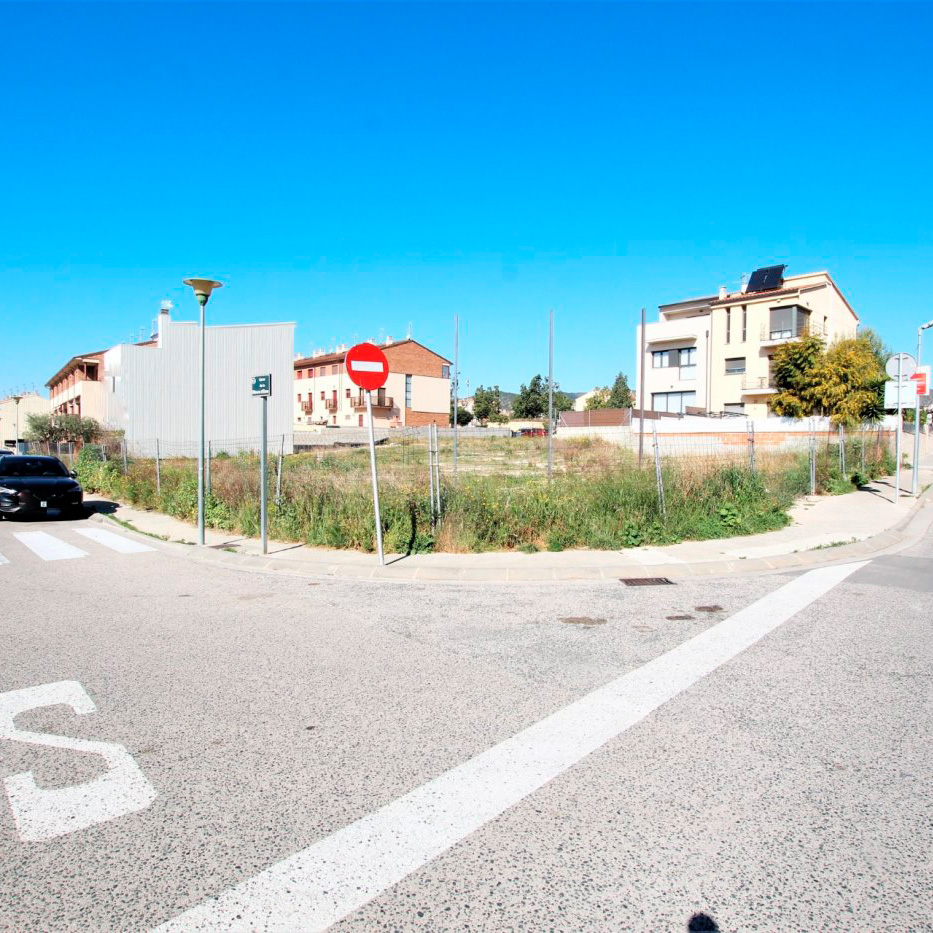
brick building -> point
(416, 393)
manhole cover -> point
(646, 581)
(708, 608)
(585, 621)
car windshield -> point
(32, 466)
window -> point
(361, 421)
(734, 408)
(408, 391)
(674, 402)
(728, 325)
(445, 372)
(298, 373)
(688, 363)
(322, 396)
(348, 393)
(744, 323)
(299, 398)
(735, 366)
(333, 370)
(787, 322)
(660, 359)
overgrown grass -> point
(599, 499)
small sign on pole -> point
(262, 388)
(368, 368)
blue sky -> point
(355, 167)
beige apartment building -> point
(416, 393)
(713, 354)
(17, 409)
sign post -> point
(368, 368)
(900, 366)
(262, 388)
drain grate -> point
(646, 581)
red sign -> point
(920, 377)
(367, 366)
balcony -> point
(758, 385)
(331, 404)
(380, 401)
(306, 407)
(775, 333)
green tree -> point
(40, 428)
(486, 403)
(74, 428)
(845, 381)
(532, 400)
(464, 417)
(621, 396)
(599, 399)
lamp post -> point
(915, 479)
(202, 291)
(17, 399)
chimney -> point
(165, 315)
(723, 291)
(388, 341)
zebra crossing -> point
(52, 547)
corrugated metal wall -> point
(152, 392)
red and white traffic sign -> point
(367, 366)
(922, 378)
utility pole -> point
(550, 398)
(456, 385)
(915, 480)
(641, 394)
(17, 399)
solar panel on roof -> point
(766, 278)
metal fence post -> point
(278, 479)
(437, 468)
(431, 473)
(207, 469)
(657, 472)
(751, 447)
(862, 459)
(123, 446)
(158, 471)
(842, 450)
(812, 464)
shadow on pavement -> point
(702, 923)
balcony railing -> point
(758, 384)
(380, 400)
(331, 404)
(769, 333)
(306, 407)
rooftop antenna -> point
(410, 330)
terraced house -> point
(416, 393)
(712, 355)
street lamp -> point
(202, 291)
(915, 480)
(17, 399)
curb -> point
(908, 531)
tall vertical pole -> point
(202, 301)
(263, 477)
(207, 467)
(641, 395)
(372, 464)
(437, 469)
(550, 396)
(16, 446)
(915, 478)
(158, 470)
(278, 478)
(431, 471)
(456, 384)
(897, 435)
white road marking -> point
(47, 547)
(329, 879)
(113, 541)
(46, 812)
(366, 366)
(3, 560)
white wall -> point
(152, 391)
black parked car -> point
(33, 485)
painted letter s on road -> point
(46, 812)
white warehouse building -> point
(150, 390)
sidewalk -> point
(823, 530)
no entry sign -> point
(367, 366)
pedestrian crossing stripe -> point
(47, 547)
(3, 560)
(113, 541)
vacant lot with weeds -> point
(598, 497)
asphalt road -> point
(520, 757)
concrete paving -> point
(786, 789)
